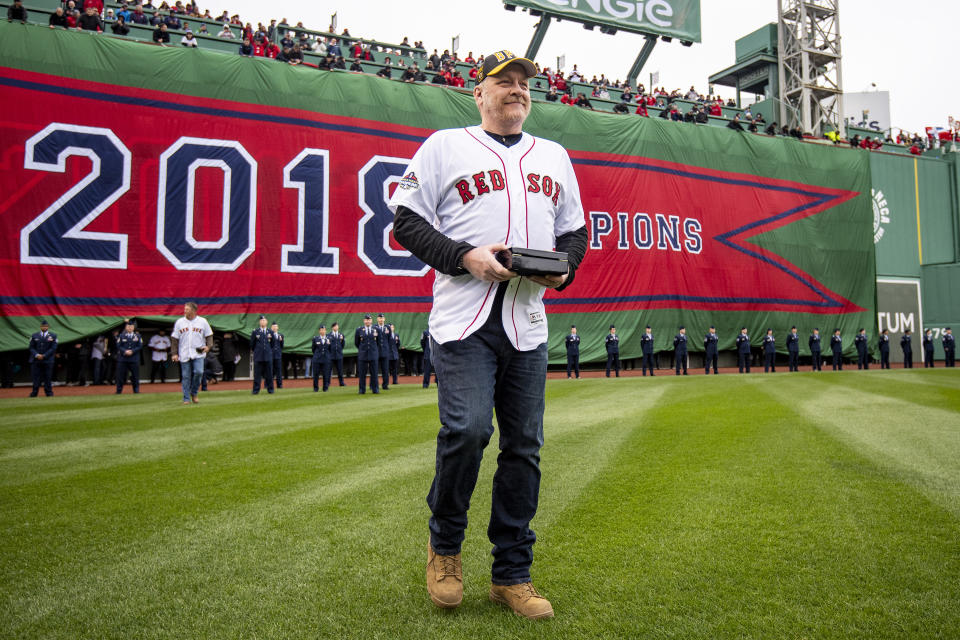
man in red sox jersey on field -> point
(467, 194)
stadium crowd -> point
(408, 62)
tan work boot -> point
(444, 579)
(523, 599)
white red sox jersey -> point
(192, 335)
(473, 189)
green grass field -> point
(786, 506)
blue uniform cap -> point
(366, 316)
(682, 327)
(379, 315)
(321, 327)
(573, 326)
(712, 327)
(794, 327)
(131, 322)
(44, 323)
(262, 317)
(613, 326)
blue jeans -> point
(478, 375)
(190, 373)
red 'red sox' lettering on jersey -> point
(492, 180)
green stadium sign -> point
(673, 18)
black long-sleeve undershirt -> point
(419, 237)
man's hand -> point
(39, 356)
(128, 352)
(206, 349)
(482, 264)
(175, 358)
(550, 282)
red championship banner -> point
(120, 201)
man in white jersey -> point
(467, 194)
(192, 339)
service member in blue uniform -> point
(43, 353)
(906, 345)
(646, 347)
(884, 344)
(710, 350)
(743, 351)
(394, 354)
(383, 361)
(612, 342)
(793, 349)
(572, 343)
(129, 344)
(680, 350)
(949, 348)
(261, 344)
(322, 347)
(928, 348)
(860, 342)
(427, 363)
(815, 349)
(336, 355)
(277, 354)
(836, 346)
(769, 352)
(367, 340)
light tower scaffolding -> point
(811, 86)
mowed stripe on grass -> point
(683, 507)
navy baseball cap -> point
(366, 316)
(44, 323)
(379, 315)
(497, 62)
(794, 327)
(573, 326)
(648, 326)
(130, 322)
(682, 327)
(323, 326)
(712, 327)
(613, 326)
(262, 317)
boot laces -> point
(448, 567)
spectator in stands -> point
(916, 149)
(283, 55)
(551, 95)
(410, 75)
(138, 16)
(603, 82)
(73, 18)
(689, 115)
(109, 17)
(188, 40)
(246, 49)
(620, 107)
(120, 27)
(627, 95)
(457, 80)
(675, 114)
(470, 59)
(96, 4)
(716, 109)
(355, 65)
(771, 129)
(173, 22)
(304, 42)
(333, 48)
(271, 50)
(385, 71)
(594, 81)
(90, 20)
(160, 35)
(574, 75)
(226, 18)
(752, 127)
(295, 56)
(340, 63)
(58, 19)
(700, 115)
(156, 19)
(202, 31)
(326, 64)
(642, 110)
(17, 12)
(735, 124)
(584, 102)
(226, 32)
(445, 57)
(125, 13)
(287, 41)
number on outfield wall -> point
(57, 235)
(175, 224)
(373, 237)
(309, 173)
